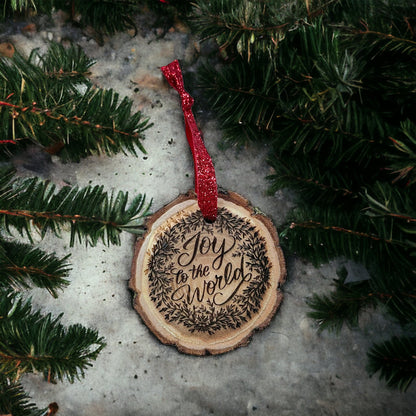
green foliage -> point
(320, 233)
(11, 6)
(22, 266)
(104, 16)
(165, 14)
(70, 65)
(250, 27)
(32, 342)
(89, 213)
(330, 88)
(43, 102)
(345, 304)
(342, 306)
(47, 99)
(246, 97)
(315, 179)
(402, 158)
(21, 4)
(395, 360)
(170, 7)
(14, 400)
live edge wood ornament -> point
(208, 272)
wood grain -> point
(206, 287)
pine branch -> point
(389, 16)
(395, 205)
(245, 98)
(342, 306)
(314, 99)
(335, 102)
(306, 98)
(313, 179)
(14, 401)
(383, 243)
(321, 233)
(30, 342)
(22, 4)
(101, 123)
(22, 266)
(167, 11)
(251, 27)
(347, 300)
(60, 63)
(366, 31)
(98, 124)
(106, 16)
(349, 142)
(395, 360)
(11, 6)
(22, 78)
(403, 157)
(34, 107)
(90, 213)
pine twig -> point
(14, 401)
(22, 266)
(395, 360)
(316, 224)
(90, 213)
(382, 35)
(59, 352)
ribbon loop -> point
(187, 101)
(205, 181)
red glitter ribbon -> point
(205, 181)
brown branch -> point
(54, 216)
(61, 73)
(221, 23)
(409, 26)
(320, 10)
(387, 296)
(56, 116)
(321, 185)
(367, 31)
(19, 359)
(30, 270)
(402, 217)
(316, 224)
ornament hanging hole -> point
(209, 220)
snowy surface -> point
(287, 369)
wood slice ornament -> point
(208, 272)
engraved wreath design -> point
(209, 318)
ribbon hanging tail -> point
(205, 180)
